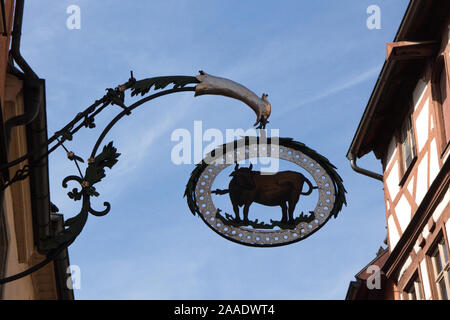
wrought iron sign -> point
(286, 187)
(281, 189)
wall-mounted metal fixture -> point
(98, 161)
(364, 171)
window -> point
(445, 103)
(413, 290)
(407, 146)
(441, 269)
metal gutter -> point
(31, 82)
(365, 172)
(352, 153)
(61, 262)
(39, 178)
(15, 44)
(35, 120)
(364, 124)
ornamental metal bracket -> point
(108, 157)
(282, 188)
(246, 186)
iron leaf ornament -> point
(149, 89)
(95, 172)
(142, 87)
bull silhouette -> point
(279, 189)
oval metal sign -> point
(282, 188)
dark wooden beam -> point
(407, 50)
(405, 245)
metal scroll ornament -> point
(198, 191)
(238, 226)
(85, 184)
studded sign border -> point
(331, 190)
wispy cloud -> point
(149, 243)
(336, 88)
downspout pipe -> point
(15, 44)
(362, 171)
(34, 118)
(32, 84)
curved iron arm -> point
(95, 170)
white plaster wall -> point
(417, 247)
(446, 156)
(425, 232)
(403, 212)
(422, 126)
(410, 185)
(405, 266)
(392, 181)
(422, 185)
(393, 233)
(434, 162)
(426, 281)
(441, 206)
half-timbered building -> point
(406, 124)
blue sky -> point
(318, 62)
